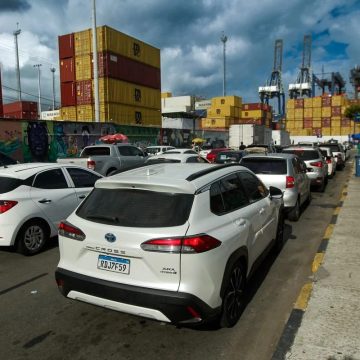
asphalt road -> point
(36, 322)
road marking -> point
(304, 296)
(2, 292)
(329, 230)
(318, 260)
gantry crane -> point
(274, 86)
(355, 80)
(303, 85)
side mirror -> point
(275, 193)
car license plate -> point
(113, 263)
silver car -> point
(317, 168)
(286, 172)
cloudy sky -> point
(188, 34)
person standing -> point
(242, 146)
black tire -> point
(280, 240)
(294, 213)
(322, 186)
(32, 237)
(234, 300)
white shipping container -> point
(177, 109)
(248, 134)
(179, 123)
(50, 115)
(178, 101)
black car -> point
(229, 156)
(6, 160)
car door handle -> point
(240, 222)
(82, 196)
(261, 211)
(44, 201)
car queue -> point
(228, 210)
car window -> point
(233, 193)
(296, 165)
(97, 150)
(254, 188)
(152, 150)
(303, 154)
(124, 150)
(216, 201)
(136, 208)
(50, 179)
(265, 165)
(196, 159)
(302, 165)
(82, 178)
(8, 184)
(135, 151)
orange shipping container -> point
(252, 114)
(227, 101)
(221, 111)
(326, 131)
(326, 101)
(299, 103)
(290, 124)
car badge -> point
(110, 237)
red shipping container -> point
(19, 106)
(122, 68)
(67, 70)
(326, 122)
(66, 46)
(345, 122)
(27, 115)
(68, 94)
(307, 123)
(84, 92)
(299, 103)
(326, 101)
(336, 111)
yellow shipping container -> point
(326, 131)
(299, 113)
(86, 113)
(221, 111)
(257, 114)
(316, 123)
(299, 124)
(217, 122)
(343, 108)
(308, 112)
(356, 128)
(326, 111)
(336, 121)
(335, 130)
(68, 113)
(316, 112)
(166, 95)
(226, 100)
(83, 67)
(117, 91)
(308, 103)
(290, 125)
(129, 115)
(338, 100)
(346, 130)
(290, 114)
(317, 101)
(109, 39)
(290, 104)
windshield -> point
(303, 154)
(136, 208)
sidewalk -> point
(328, 326)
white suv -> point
(171, 242)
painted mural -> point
(33, 141)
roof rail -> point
(209, 171)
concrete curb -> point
(294, 322)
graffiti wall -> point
(31, 141)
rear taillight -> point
(91, 164)
(317, 164)
(328, 161)
(290, 182)
(6, 205)
(70, 231)
(184, 245)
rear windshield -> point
(136, 208)
(228, 156)
(99, 150)
(265, 166)
(152, 150)
(161, 160)
(303, 154)
(8, 184)
(333, 147)
(323, 152)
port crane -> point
(307, 80)
(274, 87)
(355, 80)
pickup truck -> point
(107, 158)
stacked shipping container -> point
(21, 110)
(223, 112)
(319, 116)
(257, 114)
(129, 78)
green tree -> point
(352, 110)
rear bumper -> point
(174, 307)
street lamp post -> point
(224, 40)
(16, 33)
(39, 89)
(52, 69)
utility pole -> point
(224, 40)
(16, 33)
(39, 89)
(52, 69)
(95, 59)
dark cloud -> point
(14, 5)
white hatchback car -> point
(176, 158)
(35, 198)
(175, 243)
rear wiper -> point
(113, 219)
